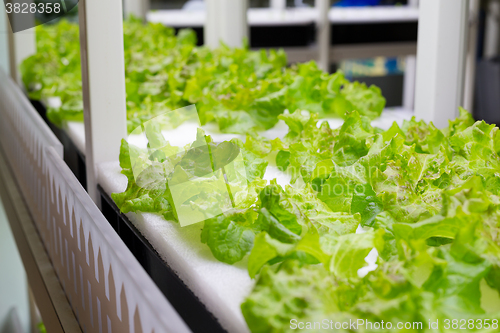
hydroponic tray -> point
(189, 307)
(74, 148)
(206, 293)
(185, 302)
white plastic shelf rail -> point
(107, 288)
(292, 16)
(23, 136)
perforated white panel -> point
(107, 288)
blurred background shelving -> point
(369, 37)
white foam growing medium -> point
(76, 130)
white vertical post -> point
(138, 8)
(413, 3)
(440, 59)
(410, 74)
(211, 28)
(492, 30)
(470, 65)
(4, 42)
(234, 24)
(278, 5)
(22, 44)
(103, 84)
(323, 34)
(409, 83)
(226, 22)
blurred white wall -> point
(13, 284)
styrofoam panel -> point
(76, 130)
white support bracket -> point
(137, 8)
(409, 82)
(442, 42)
(103, 84)
(278, 5)
(492, 30)
(226, 22)
(470, 66)
(413, 3)
(21, 45)
(323, 34)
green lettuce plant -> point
(239, 89)
(425, 199)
